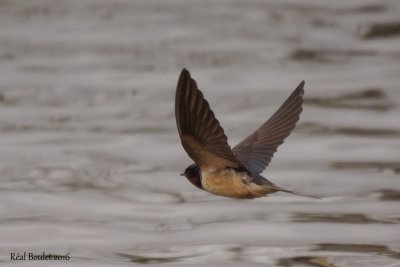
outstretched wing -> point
(257, 150)
(201, 134)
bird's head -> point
(192, 173)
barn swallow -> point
(218, 169)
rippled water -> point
(89, 151)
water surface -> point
(89, 151)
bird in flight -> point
(218, 169)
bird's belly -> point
(229, 183)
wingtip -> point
(300, 88)
(184, 76)
(185, 71)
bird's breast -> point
(231, 183)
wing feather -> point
(257, 150)
(201, 134)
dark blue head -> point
(192, 173)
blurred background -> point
(90, 155)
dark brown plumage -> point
(201, 134)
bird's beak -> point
(182, 174)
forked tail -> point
(275, 187)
